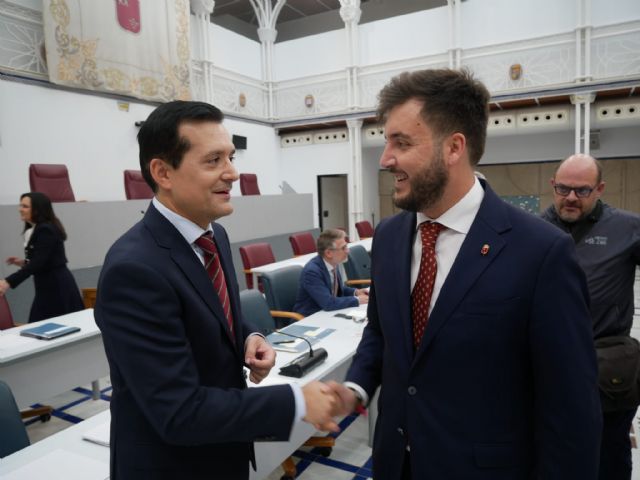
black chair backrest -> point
(281, 287)
(358, 266)
(256, 311)
(13, 434)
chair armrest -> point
(281, 314)
(362, 281)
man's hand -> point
(347, 400)
(321, 402)
(362, 296)
(259, 357)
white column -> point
(350, 12)
(354, 179)
(202, 10)
(455, 51)
(583, 103)
(267, 36)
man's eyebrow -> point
(399, 135)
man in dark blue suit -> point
(321, 285)
(479, 332)
(176, 346)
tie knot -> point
(206, 243)
(429, 232)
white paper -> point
(99, 434)
(61, 465)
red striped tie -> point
(216, 275)
(423, 289)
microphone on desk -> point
(306, 362)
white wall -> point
(260, 157)
(370, 169)
(96, 141)
(300, 167)
(486, 22)
(312, 55)
(603, 13)
(405, 36)
(88, 133)
(235, 52)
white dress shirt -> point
(191, 232)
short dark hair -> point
(453, 101)
(158, 137)
(42, 212)
(327, 239)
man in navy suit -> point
(490, 373)
(176, 347)
(321, 285)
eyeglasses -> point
(581, 192)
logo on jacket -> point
(597, 240)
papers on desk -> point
(99, 435)
(58, 465)
(286, 343)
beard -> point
(427, 186)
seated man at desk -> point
(321, 285)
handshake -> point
(325, 401)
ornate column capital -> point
(202, 7)
(354, 123)
(267, 34)
(350, 11)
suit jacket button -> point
(401, 431)
(412, 390)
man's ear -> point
(454, 148)
(599, 189)
(160, 172)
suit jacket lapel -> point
(185, 258)
(487, 228)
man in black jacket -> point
(608, 247)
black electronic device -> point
(301, 365)
(239, 141)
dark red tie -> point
(216, 275)
(423, 289)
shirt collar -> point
(189, 230)
(460, 216)
(328, 265)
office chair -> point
(281, 287)
(52, 180)
(255, 255)
(13, 434)
(365, 230)
(89, 297)
(358, 267)
(135, 186)
(256, 311)
(249, 184)
(6, 321)
(302, 243)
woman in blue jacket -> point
(56, 290)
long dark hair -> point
(42, 212)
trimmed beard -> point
(427, 187)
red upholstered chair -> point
(135, 187)
(365, 230)
(302, 243)
(6, 321)
(52, 180)
(249, 184)
(255, 255)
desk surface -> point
(40, 369)
(67, 446)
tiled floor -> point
(349, 460)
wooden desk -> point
(39, 369)
(340, 346)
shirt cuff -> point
(251, 335)
(301, 406)
(360, 391)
